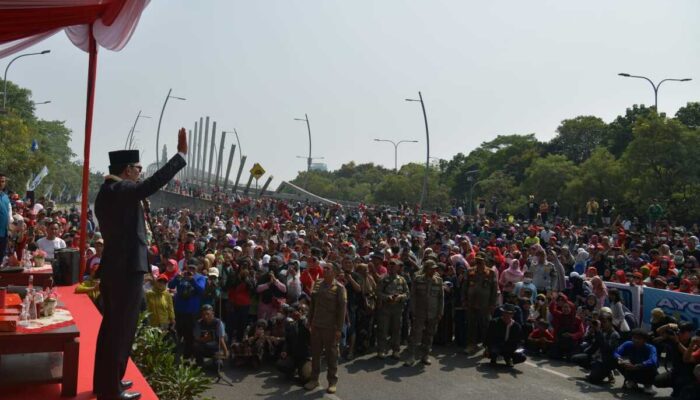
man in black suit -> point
(124, 261)
(504, 336)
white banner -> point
(38, 178)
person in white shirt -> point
(51, 242)
(294, 288)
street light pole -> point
(655, 86)
(309, 158)
(130, 136)
(240, 152)
(396, 149)
(4, 94)
(165, 103)
(424, 192)
(470, 179)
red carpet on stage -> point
(88, 320)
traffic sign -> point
(257, 171)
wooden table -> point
(41, 277)
(43, 357)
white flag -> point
(38, 178)
(47, 194)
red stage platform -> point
(88, 319)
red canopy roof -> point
(27, 22)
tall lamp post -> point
(309, 159)
(396, 149)
(240, 152)
(4, 94)
(130, 136)
(424, 192)
(655, 86)
(165, 103)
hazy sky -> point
(485, 68)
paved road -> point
(451, 376)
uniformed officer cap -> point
(334, 266)
(430, 264)
(396, 262)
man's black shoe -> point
(123, 396)
(123, 385)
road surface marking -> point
(561, 375)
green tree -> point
(620, 130)
(689, 115)
(19, 102)
(577, 138)
(661, 162)
(512, 154)
(600, 176)
(19, 127)
(16, 158)
(546, 178)
(499, 187)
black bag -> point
(66, 267)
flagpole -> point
(92, 76)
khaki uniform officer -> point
(427, 308)
(393, 295)
(326, 318)
(479, 294)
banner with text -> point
(681, 306)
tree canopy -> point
(19, 129)
(636, 159)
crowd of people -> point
(262, 281)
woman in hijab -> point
(170, 269)
(578, 290)
(581, 260)
(591, 273)
(601, 263)
(568, 328)
(620, 276)
(618, 312)
(684, 286)
(567, 260)
(600, 291)
(512, 274)
(588, 308)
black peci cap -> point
(122, 157)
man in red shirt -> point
(378, 265)
(312, 273)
